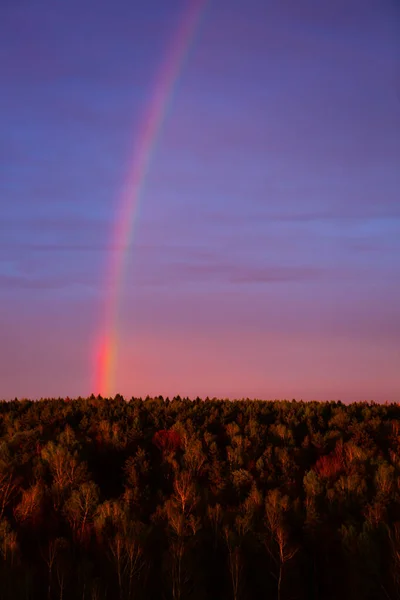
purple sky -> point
(266, 254)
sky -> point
(264, 258)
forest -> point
(159, 499)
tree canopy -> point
(104, 499)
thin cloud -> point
(42, 282)
(253, 216)
(185, 273)
(20, 282)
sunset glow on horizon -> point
(200, 198)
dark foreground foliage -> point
(177, 500)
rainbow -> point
(105, 354)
